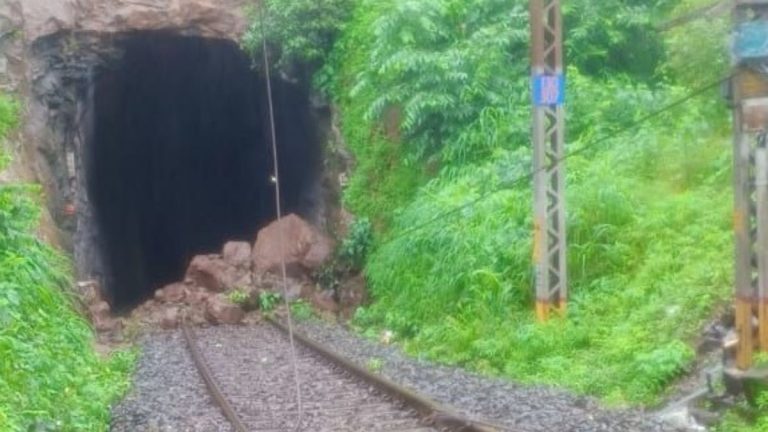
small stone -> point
(170, 318)
(90, 292)
(100, 309)
(173, 293)
(107, 324)
(195, 296)
(352, 293)
(323, 301)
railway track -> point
(249, 373)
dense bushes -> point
(648, 210)
(649, 258)
(50, 377)
(434, 103)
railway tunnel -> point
(178, 157)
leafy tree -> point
(436, 65)
(615, 37)
(300, 32)
(697, 50)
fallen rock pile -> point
(221, 288)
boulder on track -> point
(173, 293)
(219, 310)
(213, 273)
(304, 248)
(237, 254)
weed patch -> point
(50, 377)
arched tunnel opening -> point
(178, 157)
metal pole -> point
(750, 179)
(761, 210)
(742, 227)
(548, 88)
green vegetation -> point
(350, 255)
(355, 247)
(301, 310)
(238, 296)
(268, 301)
(434, 102)
(50, 377)
(747, 418)
(301, 32)
(374, 365)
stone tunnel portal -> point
(178, 158)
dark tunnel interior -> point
(179, 157)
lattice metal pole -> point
(548, 85)
(744, 236)
(750, 179)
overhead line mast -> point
(749, 90)
(548, 90)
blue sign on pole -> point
(548, 89)
(751, 40)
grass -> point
(434, 102)
(649, 259)
(301, 310)
(649, 212)
(50, 377)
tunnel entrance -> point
(178, 157)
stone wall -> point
(49, 52)
(209, 18)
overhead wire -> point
(278, 208)
(530, 175)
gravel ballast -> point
(169, 395)
(519, 408)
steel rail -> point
(434, 413)
(210, 382)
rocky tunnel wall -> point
(163, 150)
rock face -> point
(48, 50)
(304, 248)
(211, 18)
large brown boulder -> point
(173, 293)
(303, 248)
(219, 310)
(215, 274)
(237, 254)
(195, 295)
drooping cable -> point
(278, 207)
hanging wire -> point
(278, 207)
